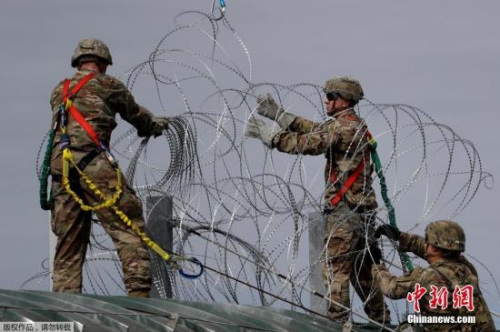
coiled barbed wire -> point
(245, 209)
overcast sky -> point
(440, 56)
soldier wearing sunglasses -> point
(349, 202)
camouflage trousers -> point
(72, 226)
(348, 260)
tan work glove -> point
(266, 106)
(256, 128)
(160, 123)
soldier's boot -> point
(66, 290)
(380, 315)
(144, 293)
(375, 306)
(383, 318)
(340, 317)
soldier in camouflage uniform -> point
(442, 248)
(98, 101)
(349, 208)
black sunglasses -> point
(331, 96)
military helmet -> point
(347, 87)
(91, 47)
(445, 234)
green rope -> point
(405, 259)
(45, 203)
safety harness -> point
(352, 178)
(405, 259)
(347, 184)
(67, 108)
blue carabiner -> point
(192, 276)
(222, 10)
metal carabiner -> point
(195, 275)
(222, 10)
(173, 263)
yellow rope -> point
(108, 202)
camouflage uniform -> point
(98, 101)
(344, 143)
(448, 273)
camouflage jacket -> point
(98, 101)
(344, 143)
(446, 273)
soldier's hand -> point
(253, 127)
(388, 231)
(160, 124)
(257, 128)
(266, 106)
(162, 121)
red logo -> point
(416, 296)
(462, 297)
(439, 298)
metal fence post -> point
(159, 228)
(317, 230)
